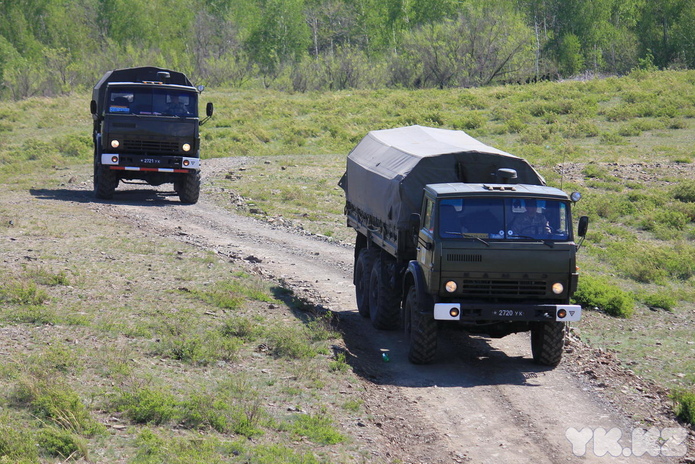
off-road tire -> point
(384, 302)
(105, 182)
(547, 342)
(363, 269)
(188, 188)
(421, 330)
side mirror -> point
(209, 109)
(414, 224)
(583, 226)
(93, 107)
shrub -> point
(148, 406)
(469, 121)
(241, 327)
(74, 146)
(62, 443)
(611, 138)
(291, 343)
(660, 300)
(339, 364)
(17, 445)
(271, 454)
(52, 399)
(670, 219)
(593, 170)
(23, 292)
(685, 192)
(684, 405)
(317, 428)
(597, 292)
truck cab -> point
(497, 259)
(506, 243)
(146, 128)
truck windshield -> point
(158, 102)
(504, 218)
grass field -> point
(625, 143)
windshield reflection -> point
(503, 218)
(157, 102)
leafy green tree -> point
(432, 11)
(658, 23)
(684, 34)
(487, 42)
(280, 36)
(333, 24)
(165, 25)
(19, 19)
(570, 59)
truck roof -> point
(388, 169)
(456, 189)
(140, 74)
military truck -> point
(146, 129)
(451, 231)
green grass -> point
(112, 325)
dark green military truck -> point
(146, 129)
(452, 231)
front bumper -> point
(506, 312)
(178, 164)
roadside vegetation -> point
(53, 47)
(97, 360)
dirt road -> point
(482, 402)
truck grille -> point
(503, 288)
(464, 258)
(151, 146)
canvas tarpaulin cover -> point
(388, 169)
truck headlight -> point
(558, 288)
(450, 286)
(186, 147)
(115, 143)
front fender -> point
(414, 276)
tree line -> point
(51, 47)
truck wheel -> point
(547, 342)
(363, 266)
(384, 304)
(421, 330)
(189, 188)
(105, 182)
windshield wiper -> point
(468, 236)
(547, 242)
(475, 237)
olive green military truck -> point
(146, 129)
(452, 231)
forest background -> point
(53, 47)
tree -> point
(684, 34)
(431, 11)
(570, 59)
(487, 42)
(666, 30)
(333, 24)
(280, 36)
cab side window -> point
(428, 221)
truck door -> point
(426, 241)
